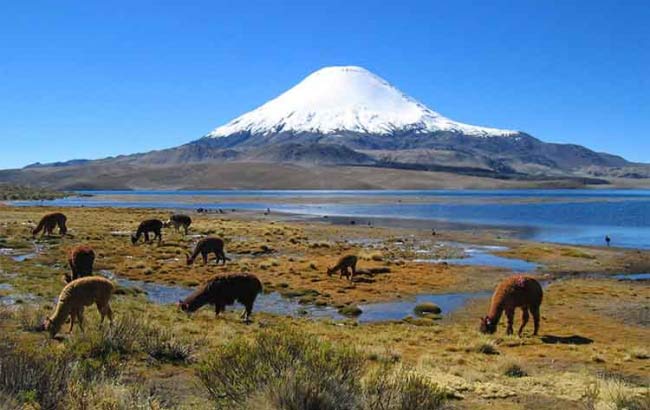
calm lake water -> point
(564, 216)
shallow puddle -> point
(480, 255)
(448, 303)
(269, 302)
(634, 276)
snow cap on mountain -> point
(347, 98)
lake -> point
(563, 216)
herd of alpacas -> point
(82, 289)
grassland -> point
(592, 351)
(10, 192)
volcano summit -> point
(343, 127)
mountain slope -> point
(340, 117)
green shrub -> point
(29, 376)
(401, 389)
(287, 367)
(514, 370)
(161, 344)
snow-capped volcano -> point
(348, 98)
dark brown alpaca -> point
(150, 225)
(206, 246)
(513, 292)
(223, 290)
(49, 222)
(345, 262)
(179, 221)
(80, 259)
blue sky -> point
(90, 79)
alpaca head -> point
(183, 306)
(330, 271)
(189, 259)
(134, 239)
(47, 325)
(488, 325)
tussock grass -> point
(284, 369)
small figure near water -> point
(345, 262)
(223, 290)
(608, 240)
(206, 246)
(513, 292)
(80, 259)
(150, 225)
(49, 222)
(179, 221)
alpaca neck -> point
(60, 315)
(495, 314)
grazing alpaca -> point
(206, 246)
(75, 296)
(348, 261)
(80, 259)
(515, 291)
(150, 225)
(223, 290)
(178, 221)
(49, 222)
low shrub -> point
(161, 344)
(29, 376)
(286, 367)
(401, 389)
(514, 370)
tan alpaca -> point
(75, 296)
(347, 261)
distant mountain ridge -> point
(349, 117)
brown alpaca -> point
(49, 222)
(179, 221)
(145, 227)
(223, 290)
(80, 259)
(206, 246)
(348, 261)
(75, 296)
(513, 292)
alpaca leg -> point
(72, 315)
(146, 237)
(80, 319)
(510, 314)
(524, 320)
(535, 311)
(354, 271)
(109, 312)
(205, 257)
(248, 309)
